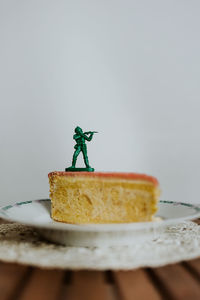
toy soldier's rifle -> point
(89, 132)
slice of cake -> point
(86, 197)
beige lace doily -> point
(22, 244)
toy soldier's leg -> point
(76, 153)
(85, 157)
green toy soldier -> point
(80, 137)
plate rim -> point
(101, 227)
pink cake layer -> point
(132, 176)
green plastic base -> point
(71, 169)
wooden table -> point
(177, 281)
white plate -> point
(37, 214)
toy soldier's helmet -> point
(78, 130)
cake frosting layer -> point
(131, 176)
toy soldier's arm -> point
(76, 136)
(88, 138)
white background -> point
(129, 69)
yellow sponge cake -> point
(93, 197)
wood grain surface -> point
(172, 282)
